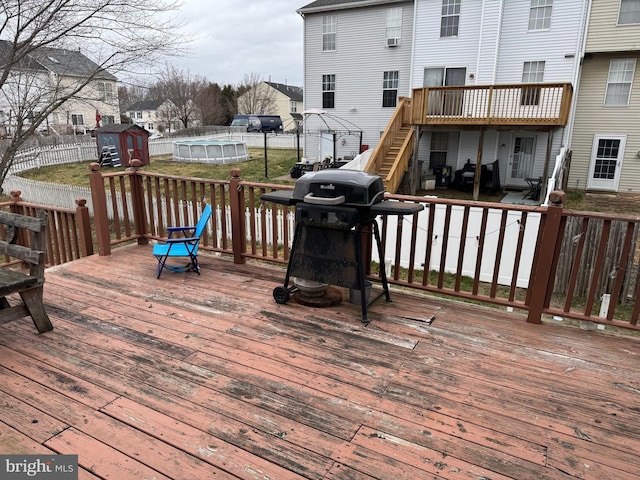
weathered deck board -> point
(207, 377)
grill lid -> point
(333, 187)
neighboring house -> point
(288, 99)
(496, 70)
(357, 62)
(605, 140)
(49, 71)
(270, 98)
(156, 116)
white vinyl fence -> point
(513, 226)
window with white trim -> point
(329, 29)
(450, 18)
(532, 72)
(619, 82)
(328, 91)
(438, 150)
(606, 161)
(629, 13)
(540, 14)
(394, 25)
(105, 91)
(77, 119)
(293, 106)
(390, 89)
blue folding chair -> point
(185, 246)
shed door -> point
(135, 147)
(606, 162)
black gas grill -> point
(332, 209)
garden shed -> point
(119, 143)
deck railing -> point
(69, 235)
(535, 104)
(541, 260)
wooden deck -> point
(201, 377)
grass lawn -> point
(279, 161)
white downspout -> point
(480, 42)
(568, 132)
(498, 40)
(413, 47)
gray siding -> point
(360, 58)
(605, 35)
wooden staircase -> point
(393, 153)
(390, 159)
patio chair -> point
(185, 246)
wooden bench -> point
(28, 286)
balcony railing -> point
(533, 104)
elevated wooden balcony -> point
(530, 104)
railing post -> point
(137, 201)
(15, 199)
(542, 276)
(100, 217)
(237, 204)
(84, 227)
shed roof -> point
(119, 127)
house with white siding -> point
(44, 77)
(488, 80)
(357, 63)
(155, 116)
(605, 139)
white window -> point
(394, 26)
(329, 28)
(138, 114)
(540, 14)
(294, 106)
(619, 82)
(450, 18)
(532, 72)
(77, 119)
(328, 91)
(629, 12)
(105, 91)
(150, 126)
(390, 89)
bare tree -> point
(183, 90)
(119, 36)
(255, 96)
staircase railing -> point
(400, 165)
(401, 116)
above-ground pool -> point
(210, 151)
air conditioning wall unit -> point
(393, 42)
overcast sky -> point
(238, 37)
